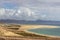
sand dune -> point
(4, 32)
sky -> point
(30, 9)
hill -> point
(37, 22)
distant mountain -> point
(37, 22)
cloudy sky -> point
(30, 9)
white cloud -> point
(31, 9)
(19, 11)
(26, 10)
(49, 0)
(25, 13)
(2, 11)
(43, 16)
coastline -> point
(42, 34)
(27, 27)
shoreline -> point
(42, 34)
(27, 27)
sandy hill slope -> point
(4, 32)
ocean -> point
(47, 31)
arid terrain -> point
(18, 32)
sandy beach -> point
(26, 27)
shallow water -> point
(47, 31)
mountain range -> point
(37, 22)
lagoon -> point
(46, 31)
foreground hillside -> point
(18, 32)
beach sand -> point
(26, 27)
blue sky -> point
(9, 5)
(30, 9)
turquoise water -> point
(47, 31)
